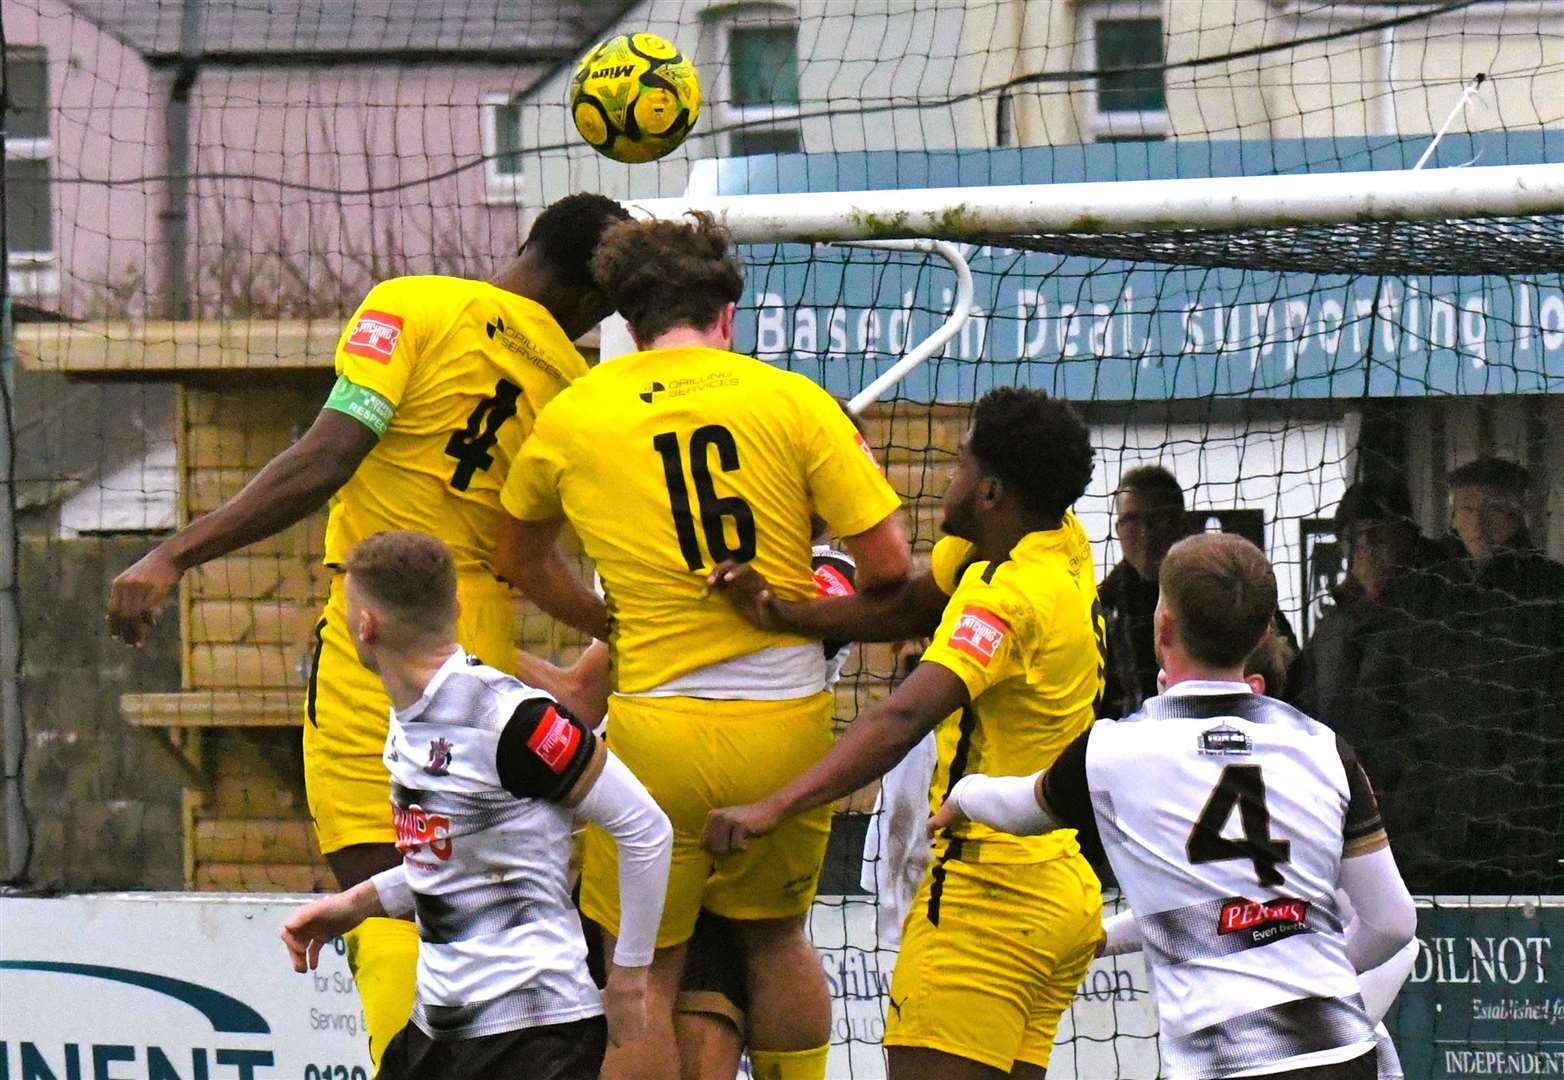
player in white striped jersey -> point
(1232, 858)
(1266, 673)
(487, 774)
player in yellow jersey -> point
(1002, 929)
(438, 382)
(666, 462)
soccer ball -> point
(635, 97)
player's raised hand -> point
(749, 592)
(946, 816)
(624, 1004)
(316, 923)
(731, 828)
(137, 594)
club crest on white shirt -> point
(1225, 741)
(439, 757)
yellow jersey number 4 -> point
(473, 445)
(714, 509)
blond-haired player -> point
(438, 381)
(488, 775)
(667, 462)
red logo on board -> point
(554, 740)
(374, 336)
(979, 634)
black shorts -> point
(1359, 1068)
(569, 1051)
(713, 981)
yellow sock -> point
(383, 954)
(789, 1064)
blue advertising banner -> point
(1486, 995)
(1108, 330)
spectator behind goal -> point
(1460, 701)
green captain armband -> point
(362, 404)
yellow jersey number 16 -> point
(714, 510)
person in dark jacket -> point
(1386, 554)
(1149, 519)
(1460, 696)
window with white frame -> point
(760, 109)
(1125, 44)
(502, 148)
(29, 150)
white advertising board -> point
(1109, 1032)
(172, 986)
(169, 986)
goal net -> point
(1277, 247)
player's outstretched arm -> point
(877, 740)
(619, 803)
(582, 687)
(295, 484)
(319, 921)
(900, 611)
(1012, 804)
(528, 557)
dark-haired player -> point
(438, 381)
(1003, 928)
(487, 777)
(1231, 859)
(666, 462)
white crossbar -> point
(1133, 205)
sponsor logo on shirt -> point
(416, 829)
(868, 452)
(517, 342)
(1224, 741)
(554, 740)
(979, 634)
(829, 581)
(374, 336)
(680, 387)
(439, 757)
(1263, 921)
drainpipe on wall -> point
(175, 215)
(13, 727)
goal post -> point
(1130, 206)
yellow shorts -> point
(694, 755)
(991, 979)
(346, 713)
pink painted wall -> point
(106, 125)
(383, 176)
(381, 169)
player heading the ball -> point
(438, 380)
(487, 776)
